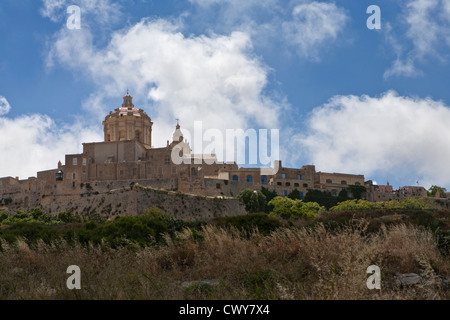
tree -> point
(323, 198)
(295, 195)
(269, 196)
(253, 200)
(357, 190)
(294, 208)
(435, 189)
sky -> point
(345, 97)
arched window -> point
(329, 181)
(343, 182)
(235, 178)
(193, 171)
(264, 179)
(358, 183)
(59, 176)
(249, 178)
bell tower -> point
(128, 123)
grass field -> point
(246, 257)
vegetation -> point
(298, 251)
(286, 207)
(312, 261)
(253, 200)
(436, 189)
(405, 204)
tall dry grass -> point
(291, 263)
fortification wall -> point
(135, 199)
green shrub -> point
(3, 216)
(253, 200)
(355, 204)
(288, 208)
(30, 231)
(247, 223)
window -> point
(283, 176)
(285, 193)
(100, 173)
(329, 181)
(73, 176)
(174, 169)
(134, 171)
(167, 160)
(343, 182)
(84, 161)
(358, 183)
(334, 193)
(305, 185)
(296, 185)
(59, 176)
(235, 178)
(137, 135)
(159, 170)
(299, 177)
(264, 179)
(217, 185)
(249, 178)
(278, 183)
(193, 171)
(121, 172)
(74, 161)
(149, 171)
(288, 184)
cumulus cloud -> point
(303, 26)
(4, 106)
(35, 143)
(392, 136)
(214, 79)
(428, 30)
(313, 25)
(102, 12)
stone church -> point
(126, 156)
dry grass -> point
(291, 263)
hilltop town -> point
(126, 158)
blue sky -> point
(345, 98)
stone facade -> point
(126, 156)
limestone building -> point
(126, 156)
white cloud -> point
(35, 142)
(100, 12)
(304, 26)
(215, 79)
(391, 136)
(4, 106)
(52, 9)
(402, 68)
(428, 30)
(314, 24)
